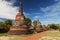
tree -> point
(7, 23)
(35, 23)
(28, 20)
(58, 25)
(1, 24)
(53, 26)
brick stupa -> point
(38, 27)
(19, 26)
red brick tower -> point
(19, 26)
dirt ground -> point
(24, 37)
(52, 35)
(35, 37)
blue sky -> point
(47, 11)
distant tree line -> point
(4, 26)
(54, 26)
(6, 23)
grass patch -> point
(3, 34)
(13, 37)
(52, 35)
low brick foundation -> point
(18, 30)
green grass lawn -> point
(52, 35)
(4, 36)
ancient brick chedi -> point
(19, 26)
(38, 27)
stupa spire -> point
(20, 9)
(20, 15)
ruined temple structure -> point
(38, 27)
(44, 27)
(48, 27)
(19, 26)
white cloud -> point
(52, 13)
(7, 10)
(53, 10)
(36, 17)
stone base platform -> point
(18, 30)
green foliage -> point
(58, 27)
(28, 20)
(5, 26)
(34, 23)
(54, 26)
(1, 24)
(7, 23)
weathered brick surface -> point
(19, 26)
(18, 30)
